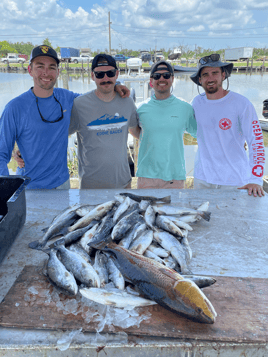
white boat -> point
(264, 124)
(175, 54)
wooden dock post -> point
(251, 65)
(247, 65)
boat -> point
(264, 124)
(184, 69)
(175, 54)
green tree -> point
(6, 47)
(47, 42)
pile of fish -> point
(134, 244)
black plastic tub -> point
(12, 210)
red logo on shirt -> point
(225, 124)
(257, 170)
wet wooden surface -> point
(241, 305)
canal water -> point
(253, 86)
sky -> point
(136, 24)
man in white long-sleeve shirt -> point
(225, 120)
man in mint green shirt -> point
(163, 119)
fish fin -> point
(45, 229)
(171, 273)
(101, 244)
(166, 199)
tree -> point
(47, 42)
(6, 47)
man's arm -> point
(122, 90)
(135, 131)
(7, 135)
(254, 137)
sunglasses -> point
(165, 75)
(49, 121)
(212, 58)
(109, 74)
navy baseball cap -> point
(161, 65)
(103, 60)
(44, 50)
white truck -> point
(81, 58)
(13, 58)
(236, 54)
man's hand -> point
(253, 187)
(122, 90)
(17, 157)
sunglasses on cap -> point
(211, 58)
(109, 74)
(165, 75)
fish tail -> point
(205, 215)
(58, 242)
(36, 245)
(166, 199)
(100, 244)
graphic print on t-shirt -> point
(225, 124)
(108, 122)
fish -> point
(161, 252)
(129, 237)
(170, 243)
(87, 237)
(200, 281)
(115, 297)
(172, 210)
(139, 230)
(105, 227)
(180, 223)
(122, 208)
(203, 207)
(81, 251)
(152, 255)
(140, 244)
(82, 271)
(55, 227)
(149, 218)
(100, 266)
(97, 213)
(143, 205)
(161, 284)
(166, 224)
(83, 210)
(115, 274)
(151, 199)
(188, 250)
(72, 237)
(124, 225)
(58, 275)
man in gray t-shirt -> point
(101, 119)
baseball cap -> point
(44, 50)
(161, 65)
(98, 61)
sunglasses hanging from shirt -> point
(48, 121)
(101, 74)
(157, 76)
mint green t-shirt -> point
(163, 123)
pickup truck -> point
(81, 58)
(13, 59)
(120, 58)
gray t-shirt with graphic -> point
(102, 132)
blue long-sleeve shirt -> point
(42, 145)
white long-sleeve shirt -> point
(223, 126)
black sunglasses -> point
(109, 74)
(48, 121)
(165, 75)
(212, 58)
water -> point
(253, 86)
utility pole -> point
(109, 26)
